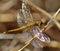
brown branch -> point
(44, 12)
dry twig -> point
(44, 12)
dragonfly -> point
(37, 33)
(35, 29)
(28, 18)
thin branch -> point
(44, 12)
(48, 24)
(27, 43)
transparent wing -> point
(42, 37)
(20, 18)
(26, 12)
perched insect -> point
(28, 18)
(34, 29)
